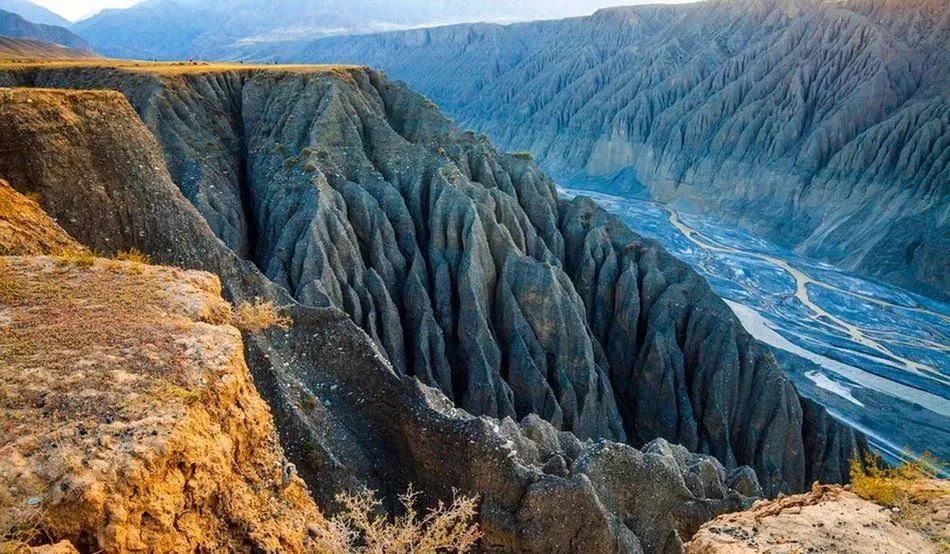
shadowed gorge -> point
(410, 253)
(821, 126)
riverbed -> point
(876, 356)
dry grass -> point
(361, 529)
(23, 529)
(258, 316)
(175, 68)
(892, 486)
(74, 256)
(910, 490)
(133, 255)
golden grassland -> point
(172, 68)
(912, 490)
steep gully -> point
(467, 274)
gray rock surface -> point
(464, 268)
(345, 417)
(821, 125)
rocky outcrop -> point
(25, 229)
(130, 419)
(830, 519)
(821, 125)
(408, 252)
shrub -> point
(133, 255)
(360, 527)
(523, 155)
(258, 316)
(891, 486)
(74, 256)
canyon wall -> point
(425, 273)
(820, 125)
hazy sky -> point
(75, 10)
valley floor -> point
(876, 356)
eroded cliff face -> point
(130, 419)
(461, 270)
(821, 125)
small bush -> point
(891, 486)
(258, 316)
(360, 527)
(523, 155)
(74, 256)
(133, 255)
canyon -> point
(820, 126)
(456, 325)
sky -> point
(74, 10)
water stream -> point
(876, 356)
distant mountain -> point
(33, 13)
(28, 49)
(175, 29)
(15, 26)
(823, 125)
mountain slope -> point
(820, 125)
(14, 26)
(179, 29)
(33, 12)
(26, 49)
(463, 267)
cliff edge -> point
(130, 419)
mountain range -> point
(180, 29)
(819, 125)
(15, 26)
(33, 12)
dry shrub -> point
(892, 486)
(74, 256)
(133, 255)
(258, 316)
(360, 528)
(22, 530)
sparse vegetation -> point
(133, 255)
(21, 530)
(74, 256)
(892, 486)
(361, 528)
(523, 155)
(258, 316)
